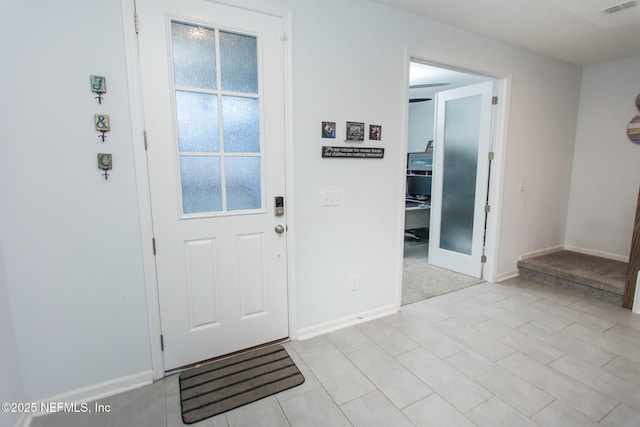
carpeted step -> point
(601, 277)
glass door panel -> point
(461, 128)
(194, 56)
(197, 118)
(201, 187)
(239, 62)
(217, 107)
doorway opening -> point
(444, 185)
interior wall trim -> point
(600, 254)
(578, 249)
(345, 322)
(506, 276)
(540, 252)
(100, 390)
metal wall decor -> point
(105, 163)
(103, 125)
(633, 130)
(99, 86)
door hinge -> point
(483, 259)
(153, 242)
(161, 342)
(491, 155)
(136, 22)
(494, 100)
(146, 144)
(487, 208)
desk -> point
(417, 214)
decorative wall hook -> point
(99, 86)
(102, 125)
(105, 163)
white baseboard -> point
(541, 252)
(99, 391)
(345, 322)
(506, 276)
(585, 251)
(600, 254)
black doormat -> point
(220, 386)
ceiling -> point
(425, 80)
(575, 31)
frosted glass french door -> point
(213, 96)
(460, 178)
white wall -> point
(350, 64)
(606, 171)
(10, 382)
(539, 153)
(70, 239)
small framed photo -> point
(354, 131)
(375, 132)
(328, 129)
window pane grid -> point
(216, 92)
(237, 168)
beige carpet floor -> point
(421, 280)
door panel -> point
(201, 282)
(460, 177)
(252, 284)
(211, 76)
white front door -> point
(213, 96)
(460, 178)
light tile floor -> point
(518, 353)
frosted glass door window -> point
(239, 62)
(201, 189)
(197, 115)
(217, 105)
(241, 118)
(243, 182)
(461, 135)
(194, 56)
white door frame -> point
(498, 145)
(142, 175)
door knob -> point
(279, 229)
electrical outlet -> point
(522, 187)
(355, 282)
(330, 198)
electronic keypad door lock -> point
(279, 206)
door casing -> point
(502, 84)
